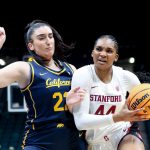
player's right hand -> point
(129, 115)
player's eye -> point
(99, 48)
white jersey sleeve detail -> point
(130, 80)
(127, 78)
(90, 121)
(83, 119)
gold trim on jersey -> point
(27, 89)
(24, 139)
(35, 115)
(69, 66)
(50, 70)
(32, 79)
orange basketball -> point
(139, 97)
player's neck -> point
(52, 65)
(104, 75)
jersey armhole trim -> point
(31, 79)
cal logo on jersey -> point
(57, 82)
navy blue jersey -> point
(49, 123)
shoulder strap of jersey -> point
(68, 67)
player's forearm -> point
(90, 121)
(117, 118)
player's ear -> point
(116, 58)
(30, 46)
(92, 53)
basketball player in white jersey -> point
(103, 113)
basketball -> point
(139, 97)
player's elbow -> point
(79, 126)
(79, 122)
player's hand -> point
(2, 36)
(74, 97)
(130, 115)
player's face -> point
(43, 42)
(104, 53)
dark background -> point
(83, 24)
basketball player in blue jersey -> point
(103, 112)
(45, 81)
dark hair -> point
(109, 37)
(62, 50)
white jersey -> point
(102, 100)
